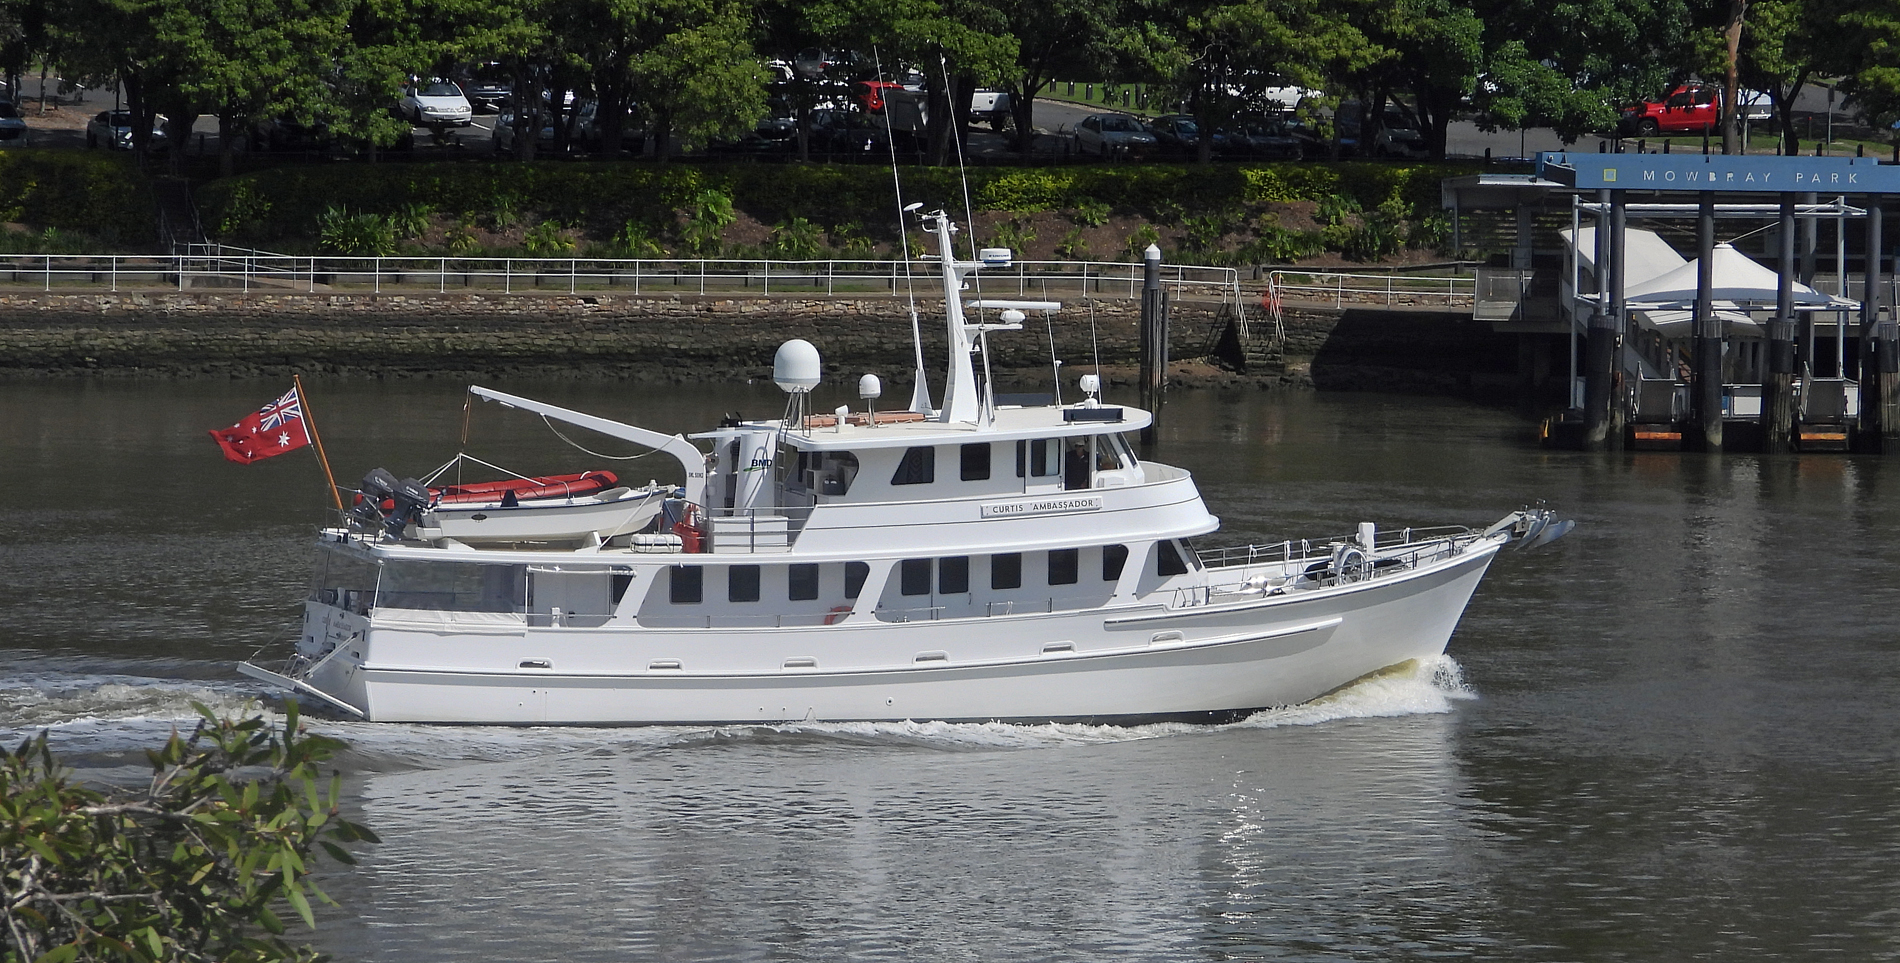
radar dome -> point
(795, 367)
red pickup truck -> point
(1692, 108)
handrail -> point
(1343, 287)
(224, 265)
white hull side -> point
(1272, 652)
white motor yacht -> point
(974, 561)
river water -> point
(1671, 736)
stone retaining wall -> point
(675, 338)
(682, 338)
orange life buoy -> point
(837, 614)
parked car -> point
(1691, 108)
(589, 129)
(1180, 134)
(275, 134)
(991, 107)
(1266, 139)
(12, 125)
(437, 103)
(1113, 135)
(489, 87)
(113, 129)
(1398, 136)
(502, 138)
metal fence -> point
(202, 266)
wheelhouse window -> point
(854, 575)
(1040, 458)
(919, 467)
(1168, 560)
(742, 583)
(1006, 570)
(1065, 566)
(802, 582)
(1107, 456)
(1113, 558)
(686, 584)
(913, 576)
(975, 462)
(953, 574)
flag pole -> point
(310, 425)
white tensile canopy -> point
(1645, 254)
(1736, 279)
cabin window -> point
(742, 583)
(1106, 456)
(976, 462)
(953, 574)
(802, 582)
(913, 576)
(854, 575)
(1065, 566)
(1113, 558)
(919, 467)
(685, 584)
(1045, 457)
(1168, 560)
(832, 471)
(1006, 570)
(621, 582)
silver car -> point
(113, 129)
(437, 103)
(1113, 135)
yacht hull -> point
(1112, 664)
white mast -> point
(959, 387)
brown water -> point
(1671, 736)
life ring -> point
(837, 614)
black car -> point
(1181, 134)
(1267, 140)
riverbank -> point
(684, 338)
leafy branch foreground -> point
(194, 866)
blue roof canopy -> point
(1716, 172)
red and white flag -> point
(272, 430)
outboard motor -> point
(412, 498)
(376, 487)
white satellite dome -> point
(795, 367)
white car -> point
(1113, 135)
(438, 103)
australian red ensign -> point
(276, 428)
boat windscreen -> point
(452, 586)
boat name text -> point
(1046, 506)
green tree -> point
(194, 866)
(1073, 38)
(1220, 56)
(697, 76)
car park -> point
(113, 129)
(1113, 135)
(436, 103)
(1398, 136)
(12, 125)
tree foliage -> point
(199, 864)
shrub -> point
(363, 234)
(1090, 212)
(196, 865)
(797, 239)
(706, 221)
(547, 237)
(1138, 242)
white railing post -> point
(442, 276)
(508, 276)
